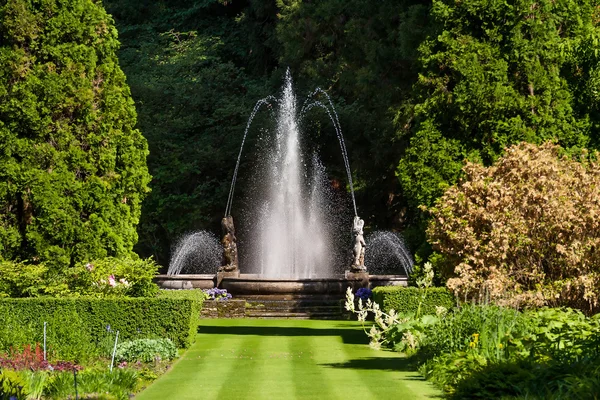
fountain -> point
(292, 247)
(196, 256)
(387, 252)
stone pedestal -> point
(227, 274)
(356, 275)
(357, 279)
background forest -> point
(420, 87)
(472, 128)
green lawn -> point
(287, 359)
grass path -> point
(286, 359)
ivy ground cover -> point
(287, 359)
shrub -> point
(75, 324)
(524, 231)
(197, 295)
(120, 384)
(115, 277)
(526, 378)
(146, 350)
(406, 300)
(28, 280)
(107, 277)
(491, 351)
(12, 386)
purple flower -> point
(364, 293)
(217, 294)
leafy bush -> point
(197, 295)
(115, 277)
(77, 326)
(524, 231)
(107, 277)
(406, 300)
(526, 378)
(521, 349)
(29, 280)
(146, 350)
(12, 387)
(118, 384)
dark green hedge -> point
(406, 299)
(176, 319)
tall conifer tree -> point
(72, 165)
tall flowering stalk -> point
(383, 321)
(380, 332)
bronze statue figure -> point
(230, 256)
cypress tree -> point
(73, 168)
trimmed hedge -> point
(406, 299)
(176, 319)
(195, 295)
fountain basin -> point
(251, 284)
(185, 281)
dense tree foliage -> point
(419, 85)
(496, 73)
(73, 167)
(196, 70)
(524, 231)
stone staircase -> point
(295, 306)
(278, 306)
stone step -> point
(310, 297)
(294, 315)
(291, 305)
(275, 306)
(256, 311)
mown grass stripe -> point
(287, 359)
(382, 372)
(195, 372)
(309, 381)
(347, 381)
(252, 370)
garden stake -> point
(45, 340)
(75, 380)
(114, 351)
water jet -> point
(290, 247)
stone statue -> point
(230, 256)
(358, 264)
